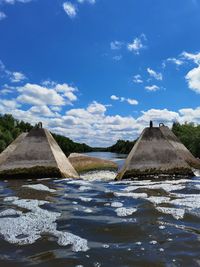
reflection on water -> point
(63, 222)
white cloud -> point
(114, 97)
(176, 61)
(87, 1)
(2, 15)
(123, 99)
(154, 74)
(70, 9)
(58, 95)
(137, 44)
(152, 88)
(193, 76)
(194, 57)
(158, 116)
(132, 101)
(193, 79)
(116, 45)
(16, 77)
(92, 124)
(9, 103)
(137, 79)
(41, 110)
(96, 108)
(12, 2)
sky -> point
(99, 70)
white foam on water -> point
(78, 243)
(133, 195)
(85, 199)
(10, 212)
(88, 210)
(99, 175)
(123, 212)
(158, 200)
(40, 187)
(153, 242)
(12, 198)
(131, 188)
(189, 201)
(30, 226)
(116, 204)
(84, 188)
(176, 213)
(79, 182)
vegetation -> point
(11, 128)
(122, 147)
(189, 135)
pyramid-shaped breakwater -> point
(158, 152)
(35, 155)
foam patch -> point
(123, 212)
(40, 187)
(176, 213)
(30, 226)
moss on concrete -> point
(34, 172)
(136, 173)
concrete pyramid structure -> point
(157, 152)
(35, 155)
(180, 148)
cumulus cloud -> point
(123, 99)
(2, 15)
(152, 88)
(193, 79)
(137, 44)
(70, 9)
(92, 124)
(16, 77)
(137, 79)
(193, 76)
(152, 73)
(58, 95)
(114, 97)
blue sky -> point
(99, 70)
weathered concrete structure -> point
(35, 155)
(157, 152)
(83, 163)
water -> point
(63, 222)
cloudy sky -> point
(99, 70)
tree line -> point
(10, 129)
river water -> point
(96, 222)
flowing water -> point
(96, 222)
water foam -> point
(30, 226)
(40, 187)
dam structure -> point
(158, 152)
(35, 155)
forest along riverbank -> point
(65, 222)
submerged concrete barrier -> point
(157, 152)
(35, 155)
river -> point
(97, 222)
